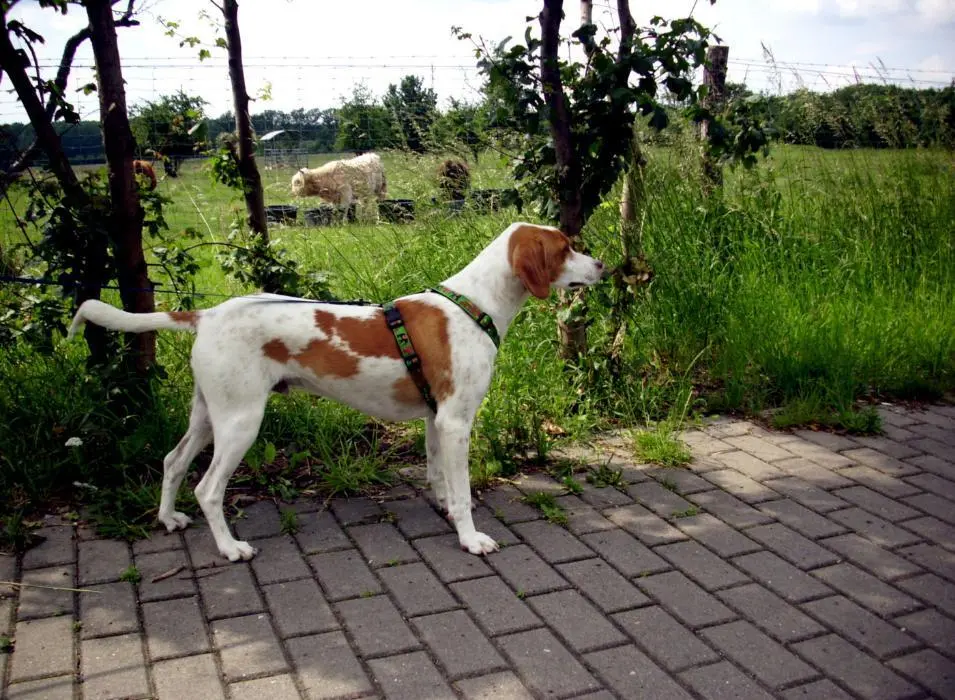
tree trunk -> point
(245, 147)
(126, 220)
(714, 78)
(92, 274)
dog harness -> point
(411, 359)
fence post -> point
(714, 78)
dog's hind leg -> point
(235, 429)
(435, 472)
(177, 462)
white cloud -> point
(936, 11)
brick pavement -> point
(786, 565)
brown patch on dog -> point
(428, 329)
(368, 337)
(276, 350)
(406, 391)
(537, 256)
(190, 318)
(324, 359)
(325, 321)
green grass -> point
(661, 445)
(547, 504)
(820, 281)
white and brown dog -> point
(248, 346)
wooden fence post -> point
(714, 78)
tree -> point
(415, 108)
(364, 124)
(171, 128)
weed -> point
(572, 485)
(521, 595)
(131, 575)
(669, 485)
(604, 475)
(289, 521)
(813, 412)
(78, 625)
(688, 513)
(662, 446)
(368, 594)
(349, 475)
(15, 533)
(6, 644)
(547, 504)
(392, 562)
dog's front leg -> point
(454, 438)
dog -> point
(249, 346)
(144, 168)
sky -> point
(311, 53)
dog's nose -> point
(601, 268)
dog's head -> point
(542, 258)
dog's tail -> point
(118, 320)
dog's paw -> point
(479, 543)
(237, 550)
(177, 521)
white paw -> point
(236, 550)
(177, 521)
(479, 543)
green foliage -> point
(661, 445)
(7, 644)
(131, 575)
(365, 124)
(289, 521)
(414, 108)
(547, 504)
(814, 412)
(603, 475)
(171, 128)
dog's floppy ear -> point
(529, 262)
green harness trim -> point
(411, 359)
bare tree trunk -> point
(714, 78)
(93, 271)
(245, 147)
(126, 220)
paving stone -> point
(582, 517)
(830, 441)
(758, 654)
(416, 589)
(874, 528)
(802, 519)
(580, 624)
(545, 664)
(870, 556)
(881, 461)
(102, 561)
(729, 508)
(782, 577)
(327, 667)
(484, 521)
(759, 448)
(44, 602)
(288, 600)
(940, 507)
(553, 543)
(319, 533)
(821, 454)
(716, 535)
(887, 446)
(174, 628)
(860, 626)
(683, 481)
(526, 572)
(444, 555)
(792, 546)
(155, 564)
(601, 497)
(113, 667)
(702, 465)
(877, 504)
(932, 447)
(271, 687)
(356, 511)
(684, 599)
(376, 626)
(344, 574)
(278, 559)
(494, 687)
(596, 579)
(43, 647)
(229, 592)
(701, 565)
(724, 427)
(497, 608)
(820, 690)
(932, 590)
(858, 671)
(669, 642)
(813, 473)
(881, 482)
(661, 501)
(261, 520)
(624, 553)
(56, 548)
(897, 434)
(929, 668)
(633, 676)
(932, 627)
(248, 647)
(943, 435)
(704, 444)
(933, 484)
(770, 613)
(867, 590)
(936, 465)
(6, 615)
(410, 677)
(644, 525)
(506, 504)
(747, 465)
(157, 541)
(460, 647)
(109, 609)
(59, 688)
(192, 677)
(382, 544)
(416, 518)
(935, 559)
(202, 547)
(723, 681)
(540, 482)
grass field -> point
(818, 281)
